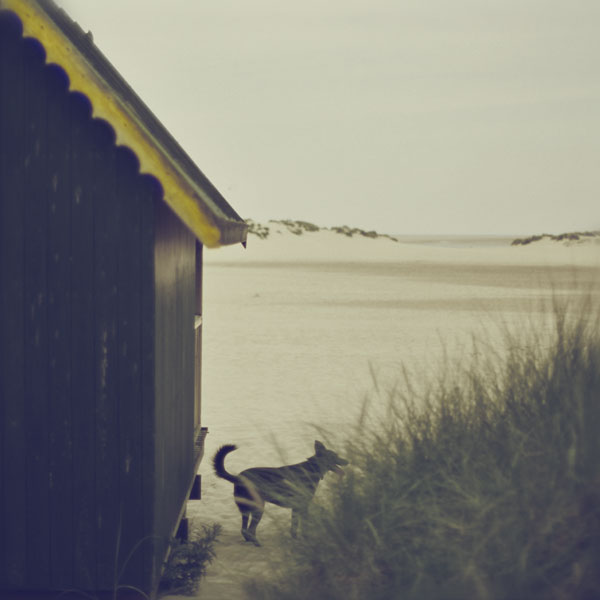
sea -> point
(458, 241)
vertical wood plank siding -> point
(152, 192)
(129, 281)
(174, 367)
(58, 264)
(12, 268)
(81, 439)
(106, 215)
(83, 183)
(36, 338)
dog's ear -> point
(319, 447)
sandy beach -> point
(297, 325)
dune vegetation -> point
(573, 236)
(485, 485)
(300, 227)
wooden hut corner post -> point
(198, 339)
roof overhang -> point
(186, 190)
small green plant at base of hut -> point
(188, 562)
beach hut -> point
(103, 220)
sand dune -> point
(326, 245)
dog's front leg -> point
(295, 520)
(298, 520)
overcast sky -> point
(407, 116)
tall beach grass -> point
(483, 485)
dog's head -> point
(328, 459)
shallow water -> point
(291, 346)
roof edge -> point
(185, 197)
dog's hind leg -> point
(245, 517)
(248, 502)
(295, 521)
(256, 517)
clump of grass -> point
(485, 486)
(258, 229)
(573, 236)
(297, 227)
(352, 231)
(188, 562)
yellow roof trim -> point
(179, 191)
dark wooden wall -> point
(175, 260)
(78, 425)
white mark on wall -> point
(103, 357)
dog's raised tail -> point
(219, 462)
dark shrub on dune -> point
(574, 236)
(298, 227)
(486, 486)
